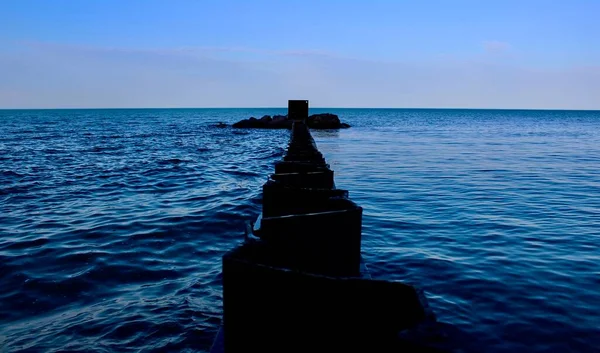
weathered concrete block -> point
(308, 156)
(282, 167)
(280, 199)
(268, 308)
(315, 180)
(327, 241)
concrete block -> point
(326, 242)
(315, 180)
(272, 309)
(282, 167)
(280, 199)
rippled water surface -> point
(112, 222)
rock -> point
(315, 121)
(265, 119)
(243, 124)
(266, 122)
(325, 121)
(251, 123)
(280, 122)
(220, 124)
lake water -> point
(113, 222)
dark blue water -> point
(112, 222)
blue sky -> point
(477, 54)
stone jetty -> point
(297, 282)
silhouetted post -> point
(298, 110)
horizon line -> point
(285, 107)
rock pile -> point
(315, 121)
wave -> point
(112, 229)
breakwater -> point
(298, 282)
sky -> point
(526, 54)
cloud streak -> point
(196, 50)
(43, 75)
(494, 46)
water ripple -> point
(113, 222)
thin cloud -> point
(54, 75)
(180, 50)
(293, 52)
(494, 46)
